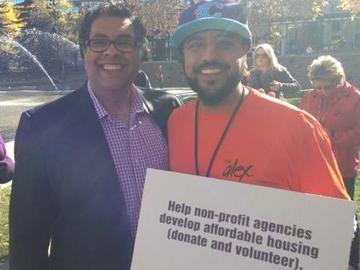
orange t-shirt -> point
(269, 143)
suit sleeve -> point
(30, 215)
(315, 166)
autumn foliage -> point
(10, 25)
(161, 16)
(351, 5)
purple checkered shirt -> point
(134, 148)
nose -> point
(112, 49)
(209, 53)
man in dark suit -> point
(81, 160)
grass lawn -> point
(4, 227)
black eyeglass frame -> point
(136, 45)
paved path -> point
(28, 101)
(28, 98)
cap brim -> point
(209, 23)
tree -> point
(10, 25)
(57, 16)
(37, 15)
(67, 19)
(25, 8)
(266, 16)
(352, 6)
(50, 32)
(160, 16)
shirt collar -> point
(137, 104)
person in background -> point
(142, 79)
(269, 75)
(6, 164)
(160, 74)
(336, 104)
(81, 160)
(309, 49)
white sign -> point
(197, 223)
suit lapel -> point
(93, 150)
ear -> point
(82, 53)
(181, 59)
(244, 50)
(144, 52)
(242, 61)
(181, 54)
(83, 50)
(143, 55)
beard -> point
(217, 95)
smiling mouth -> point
(111, 67)
(210, 71)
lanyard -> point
(220, 142)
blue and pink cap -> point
(221, 15)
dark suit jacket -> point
(66, 188)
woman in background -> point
(269, 75)
(336, 104)
(6, 164)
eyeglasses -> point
(122, 44)
(324, 84)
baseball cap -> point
(222, 15)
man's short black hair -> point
(114, 10)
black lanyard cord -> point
(231, 119)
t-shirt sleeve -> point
(314, 165)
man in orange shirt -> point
(236, 133)
(233, 132)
